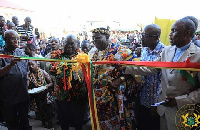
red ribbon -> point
(88, 82)
(5, 56)
(186, 64)
(64, 78)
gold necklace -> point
(39, 82)
(97, 58)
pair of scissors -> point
(160, 103)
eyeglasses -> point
(144, 35)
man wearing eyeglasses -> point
(176, 90)
(148, 119)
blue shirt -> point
(2, 42)
(150, 91)
(179, 52)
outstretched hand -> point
(171, 103)
(115, 83)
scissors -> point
(160, 103)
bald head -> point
(11, 40)
(27, 18)
(14, 17)
(27, 21)
(11, 26)
(15, 20)
(70, 42)
(9, 33)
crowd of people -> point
(124, 94)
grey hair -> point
(71, 36)
(154, 27)
(54, 39)
(187, 24)
(194, 19)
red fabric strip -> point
(87, 75)
(186, 64)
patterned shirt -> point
(62, 73)
(114, 108)
(150, 91)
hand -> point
(116, 65)
(14, 61)
(171, 103)
(122, 68)
(46, 86)
(26, 37)
(115, 83)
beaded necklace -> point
(96, 57)
(39, 80)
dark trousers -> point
(16, 116)
(71, 113)
(148, 119)
(41, 103)
(1, 114)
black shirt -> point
(14, 84)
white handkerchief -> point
(37, 90)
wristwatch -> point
(122, 78)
